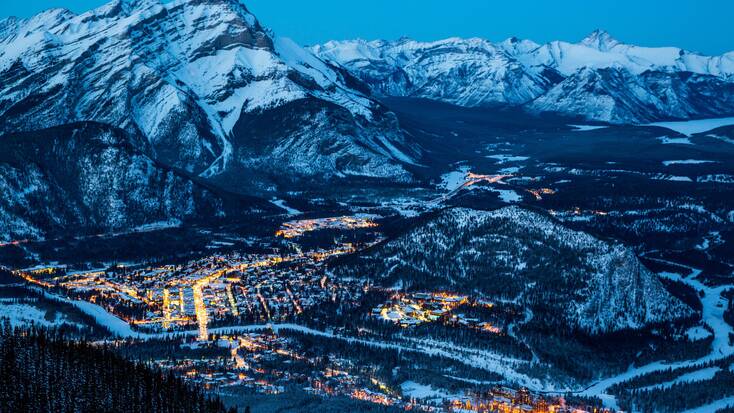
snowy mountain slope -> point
(600, 50)
(179, 75)
(618, 95)
(86, 177)
(469, 72)
(569, 279)
(599, 78)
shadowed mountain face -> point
(89, 177)
(568, 278)
(597, 79)
(190, 80)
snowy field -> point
(507, 195)
(693, 127)
(674, 141)
(453, 180)
(427, 392)
(687, 162)
(24, 314)
(585, 128)
(508, 158)
(281, 204)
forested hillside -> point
(568, 278)
(41, 372)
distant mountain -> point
(89, 178)
(202, 87)
(599, 78)
(568, 279)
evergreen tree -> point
(40, 371)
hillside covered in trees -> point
(42, 372)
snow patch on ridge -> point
(693, 127)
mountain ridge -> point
(475, 72)
(88, 178)
(180, 75)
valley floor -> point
(712, 298)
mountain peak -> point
(516, 45)
(203, 72)
(124, 7)
(600, 40)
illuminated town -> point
(538, 193)
(251, 287)
(294, 229)
(268, 363)
(418, 308)
(211, 301)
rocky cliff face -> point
(599, 78)
(89, 178)
(568, 278)
(188, 79)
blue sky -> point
(700, 25)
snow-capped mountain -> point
(86, 177)
(569, 278)
(598, 78)
(468, 72)
(194, 81)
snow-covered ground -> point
(427, 392)
(281, 203)
(692, 377)
(23, 314)
(672, 178)
(510, 170)
(693, 127)
(475, 358)
(719, 178)
(686, 162)
(453, 180)
(507, 195)
(674, 141)
(722, 138)
(115, 324)
(157, 226)
(714, 305)
(713, 407)
(584, 128)
(697, 333)
(508, 158)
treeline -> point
(74, 323)
(40, 371)
(662, 376)
(729, 313)
(389, 365)
(590, 357)
(7, 277)
(679, 396)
